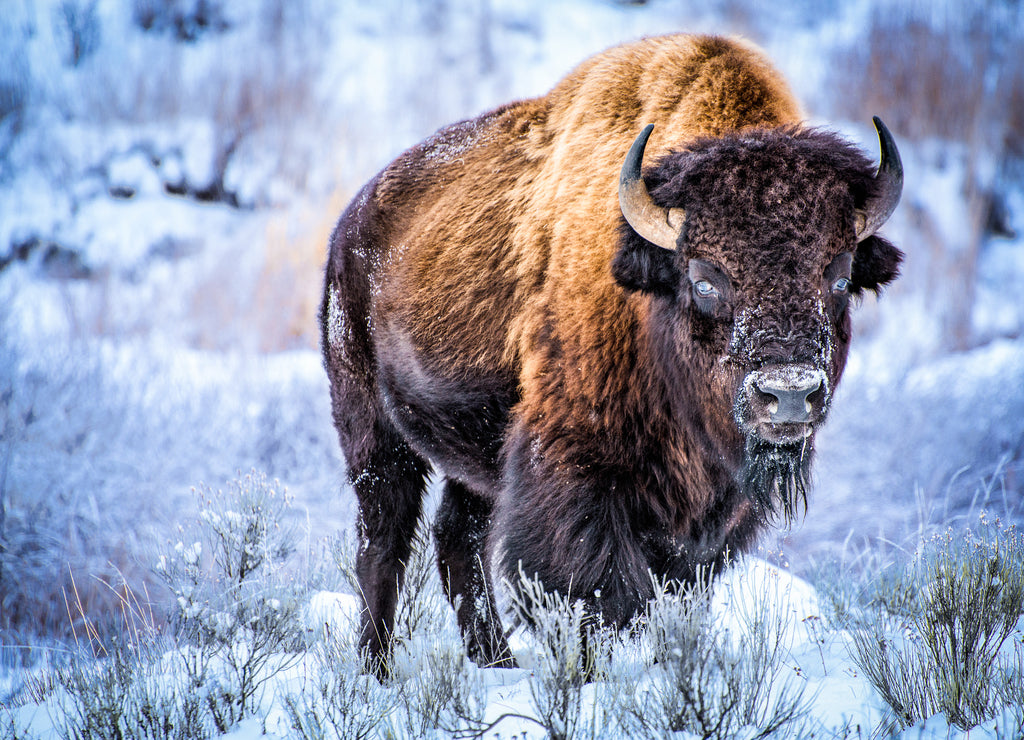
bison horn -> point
(890, 177)
(658, 225)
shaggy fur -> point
(487, 311)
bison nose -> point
(788, 393)
(788, 404)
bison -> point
(618, 371)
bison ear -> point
(642, 266)
(876, 263)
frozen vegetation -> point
(169, 173)
(934, 643)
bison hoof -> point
(489, 655)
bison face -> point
(779, 340)
(754, 245)
(783, 333)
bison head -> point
(753, 246)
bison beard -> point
(775, 476)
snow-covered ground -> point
(169, 174)
(752, 602)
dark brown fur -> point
(487, 311)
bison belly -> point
(454, 418)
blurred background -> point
(170, 171)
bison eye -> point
(705, 289)
(841, 286)
(838, 277)
(712, 290)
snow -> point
(814, 655)
(134, 322)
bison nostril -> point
(814, 397)
(769, 399)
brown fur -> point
(486, 310)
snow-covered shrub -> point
(1010, 694)
(422, 612)
(341, 550)
(933, 638)
(711, 679)
(571, 681)
(445, 698)
(237, 607)
(234, 630)
(439, 692)
(129, 693)
(340, 700)
(119, 685)
(433, 691)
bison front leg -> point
(580, 529)
(461, 530)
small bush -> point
(439, 693)
(710, 681)
(434, 691)
(445, 698)
(341, 701)
(128, 694)
(422, 615)
(932, 637)
(237, 607)
(573, 651)
(235, 628)
(1010, 694)
(120, 687)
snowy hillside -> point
(170, 172)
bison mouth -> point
(783, 434)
